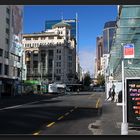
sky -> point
(91, 23)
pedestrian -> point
(78, 90)
(113, 87)
(110, 94)
(113, 94)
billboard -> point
(129, 51)
(17, 28)
(133, 100)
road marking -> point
(37, 133)
(97, 103)
(67, 113)
(71, 110)
(49, 125)
(60, 118)
(16, 106)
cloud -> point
(87, 60)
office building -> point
(108, 33)
(50, 56)
(11, 24)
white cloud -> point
(87, 60)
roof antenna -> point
(62, 16)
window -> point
(59, 37)
(8, 11)
(51, 37)
(18, 72)
(28, 38)
(0, 68)
(58, 51)
(7, 41)
(35, 64)
(59, 57)
(7, 21)
(35, 38)
(42, 38)
(1, 52)
(6, 54)
(7, 30)
(59, 71)
(6, 69)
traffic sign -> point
(129, 51)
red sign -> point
(129, 51)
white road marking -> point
(16, 106)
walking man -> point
(110, 95)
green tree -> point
(87, 79)
(100, 80)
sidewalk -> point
(111, 120)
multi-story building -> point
(51, 55)
(11, 18)
(99, 52)
(108, 33)
(74, 34)
(73, 22)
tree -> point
(100, 80)
(87, 79)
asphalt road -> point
(50, 115)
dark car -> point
(99, 89)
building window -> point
(0, 68)
(35, 38)
(59, 71)
(18, 72)
(59, 57)
(7, 41)
(51, 37)
(8, 10)
(7, 21)
(1, 52)
(59, 37)
(43, 38)
(6, 54)
(28, 38)
(6, 69)
(58, 51)
(7, 30)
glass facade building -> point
(127, 32)
(72, 22)
(108, 32)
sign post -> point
(128, 52)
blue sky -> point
(91, 23)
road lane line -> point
(37, 133)
(67, 113)
(97, 103)
(71, 110)
(60, 118)
(16, 106)
(49, 125)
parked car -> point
(99, 89)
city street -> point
(68, 114)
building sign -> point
(133, 100)
(129, 51)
